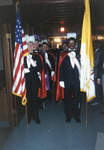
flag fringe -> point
(26, 54)
(91, 98)
(16, 94)
(23, 100)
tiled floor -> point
(55, 134)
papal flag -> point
(87, 58)
(21, 50)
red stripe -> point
(16, 51)
(19, 66)
(18, 85)
(92, 80)
(23, 79)
(24, 43)
(23, 35)
(16, 72)
(92, 73)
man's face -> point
(30, 47)
(35, 45)
(64, 47)
(54, 45)
(44, 47)
(71, 44)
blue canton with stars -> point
(18, 28)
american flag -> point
(21, 50)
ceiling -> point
(46, 16)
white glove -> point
(62, 84)
(45, 75)
(98, 81)
(35, 64)
(39, 75)
(26, 70)
(52, 73)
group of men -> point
(43, 67)
(39, 72)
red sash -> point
(59, 89)
(42, 93)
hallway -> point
(55, 134)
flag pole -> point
(17, 2)
(26, 114)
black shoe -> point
(78, 120)
(68, 120)
(37, 121)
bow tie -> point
(72, 50)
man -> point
(36, 50)
(97, 54)
(69, 74)
(100, 73)
(55, 49)
(49, 65)
(64, 45)
(36, 43)
(32, 65)
(64, 49)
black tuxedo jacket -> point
(32, 76)
(100, 70)
(69, 75)
(54, 51)
(51, 59)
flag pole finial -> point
(17, 2)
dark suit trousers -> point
(98, 92)
(32, 101)
(71, 101)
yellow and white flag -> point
(87, 58)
